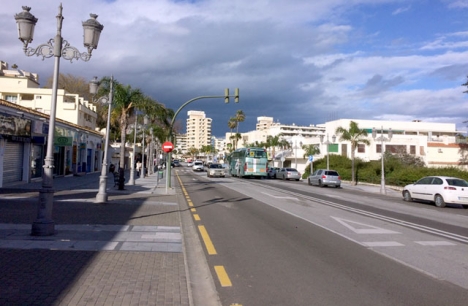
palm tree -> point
(273, 142)
(239, 117)
(355, 136)
(232, 124)
(310, 150)
(193, 152)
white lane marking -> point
(382, 244)
(279, 197)
(368, 229)
(435, 243)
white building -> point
(435, 143)
(24, 124)
(198, 129)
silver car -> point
(324, 177)
(288, 174)
(215, 170)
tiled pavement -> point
(128, 251)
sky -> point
(301, 62)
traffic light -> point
(236, 95)
(226, 95)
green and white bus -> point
(248, 162)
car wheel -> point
(308, 182)
(297, 179)
(337, 186)
(284, 178)
(439, 201)
(320, 183)
(407, 196)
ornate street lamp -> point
(101, 196)
(57, 47)
(382, 139)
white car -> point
(438, 189)
(198, 166)
(215, 170)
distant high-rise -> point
(198, 129)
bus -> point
(248, 162)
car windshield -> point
(216, 166)
(333, 173)
(291, 169)
(457, 182)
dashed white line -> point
(435, 243)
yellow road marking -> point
(207, 240)
(196, 217)
(193, 209)
(222, 276)
(190, 203)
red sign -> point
(167, 147)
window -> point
(11, 98)
(412, 150)
(361, 148)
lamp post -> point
(131, 181)
(328, 147)
(382, 139)
(57, 47)
(295, 150)
(101, 196)
(145, 123)
(151, 154)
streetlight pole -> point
(131, 181)
(328, 148)
(382, 139)
(57, 47)
(168, 158)
(145, 122)
(101, 196)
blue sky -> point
(299, 61)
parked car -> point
(438, 189)
(190, 164)
(198, 166)
(288, 174)
(272, 172)
(215, 170)
(175, 163)
(324, 177)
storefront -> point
(15, 142)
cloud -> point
(299, 61)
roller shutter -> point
(13, 162)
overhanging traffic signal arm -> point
(226, 95)
(236, 95)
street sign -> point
(311, 158)
(167, 146)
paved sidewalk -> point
(128, 251)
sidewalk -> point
(130, 249)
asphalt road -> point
(266, 245)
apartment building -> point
(24, 125)
(22, 88)
(198, 129)
(437, 144)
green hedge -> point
(396, 173)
